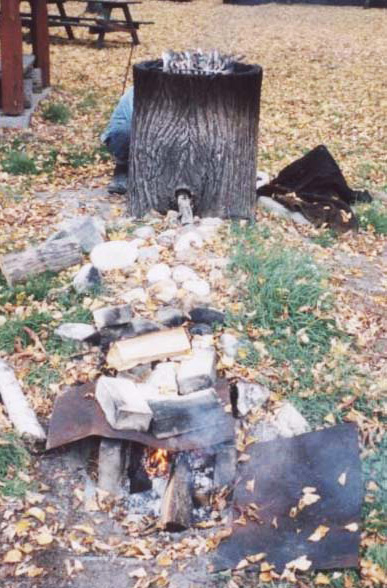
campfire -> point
(157, 463)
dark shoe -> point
(119, 183)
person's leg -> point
(118, 145)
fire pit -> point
(194, 131)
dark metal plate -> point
(281, 469)
(77, 415)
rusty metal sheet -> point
(327, 460)
(77, 415)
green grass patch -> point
(378, 554)
(13, 458)
(88, 102)
(326, 238)
(77, 158)
(285, 297)
(14, 328)
(18, 163)
(374, 469)
(56, 112)
(374, 216)
(36, 288)
(42, 375)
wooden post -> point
(11, 58)
(40, 40)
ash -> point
(199, 62)
(148, 502)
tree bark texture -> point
(196, 133)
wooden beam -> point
(40, 40)
(11, 58)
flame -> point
(157, 463)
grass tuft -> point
(374, 216)
(56, 112)
(14, 328)
(18, 163)
(13, 457)
(36, 288)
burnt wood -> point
(177, 505)
(196, 133)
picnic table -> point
(96, 24)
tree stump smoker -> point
(194, 134)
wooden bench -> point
(96, 25)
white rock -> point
(167, 237)
(160, 271)
(250, 396)
(202, 341)
(199, 287)
(114, 255)
(212, 221)
(164, 291)
(164, 379)
(123, 405)
(187, 239)
(170, 317)
(144, 232)
(137, 243)
(86, 279)
(289, 422)
(149, 254)
(181, 273)
(135, 295)
(229, 344)
(3, 320)
(75, 331)
(172, 218)
(198, 372)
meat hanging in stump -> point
(194, 131)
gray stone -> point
(279, 210)
(201, 329)
(198, 372)
(229, 344)
(111, 466)
(123, 405)
(160, 271)
(142, 326)
(210, 316)
(250, 396)
(88, 231)
(75, 331)
(110, 316)
(170, 317)
(87, 279)
(114, 255)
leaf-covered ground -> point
(324, 82)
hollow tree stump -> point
(196, 133)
